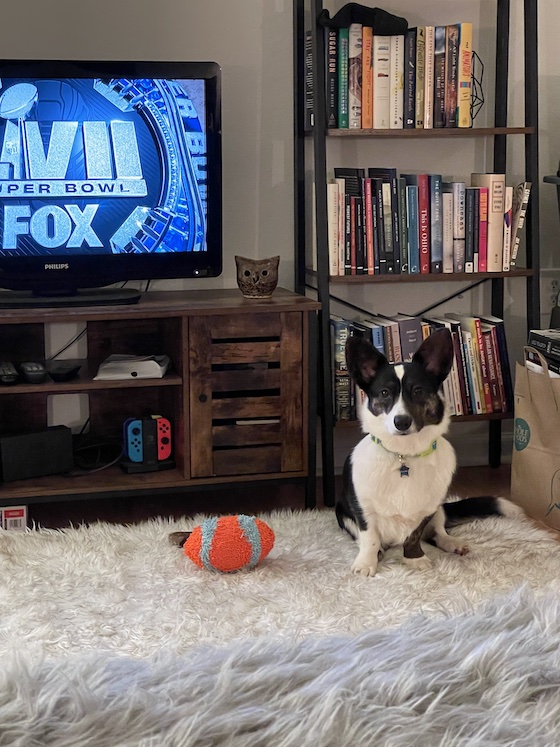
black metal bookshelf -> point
(319, 280)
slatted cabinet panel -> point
(247, 394)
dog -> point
(396, 479)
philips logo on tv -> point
(100, 166)
(64, 266)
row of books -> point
(418, 80)
(479, 382)
(386, 223)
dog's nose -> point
(402, 422)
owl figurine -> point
(257, 278)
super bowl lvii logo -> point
(522, 434)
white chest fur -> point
(396, 503)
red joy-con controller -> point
(163, 438)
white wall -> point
(252, 39)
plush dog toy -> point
(227, 543)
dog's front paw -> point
(365, 566)
(448, 544)
(423, 563)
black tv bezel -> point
(29, 274)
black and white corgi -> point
(397, 478)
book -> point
(367, 77)
(412, 228)
(546, 341)
(508, 218)
(392, 332)
(447, 226)
(342, 404)
(420, 75)
(332, 227)
(308, 92)
(537, 364)
(482, 229)
(463, 116)
(429, 42)
(376, 334)
(459, 190)
(403, 224)
(343, 40)
(480, 375)
(452, 385)
(381, 82)
(491, 355)
(354, 236)
(341, 185)
(495, 184)
(369, 215)
(470, 195)
(424, 222)
(331, 76)
(397, 82)
(439, 76)
(409, 97)
(355, 76)
(520, 202)
(410, 334)
(451, 73)
(380, 251)
(436, 223)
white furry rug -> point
(81, 607)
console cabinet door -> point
(247, 405)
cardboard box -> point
(13, 517)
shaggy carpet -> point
(112, 638)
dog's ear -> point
(435, 354)
(363, 361)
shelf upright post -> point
(321, 232)
(299, 144)
(532, 162)
(500, 150)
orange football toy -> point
(229, 543)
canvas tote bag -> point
(535, 469)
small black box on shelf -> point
(45, 452)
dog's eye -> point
(384, 393)
(417, 391)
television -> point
(109, 172)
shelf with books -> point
(329, 141)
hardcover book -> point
(447, 221)
(495, 184)
(436, 223)
(381, 82)
(464, 83)
(451, 74)
(508, 219)
(439, 76)
(459, 190)
(546, 341)
(409, 113)
(412, 228)
(420, 74)
(393, 250)
(331, 76)
(343, 39)
(429, 64)
(367, 77)
(355, 76)
(397, 82)
(520, 202)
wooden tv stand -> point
(233, 360)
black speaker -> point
(46, 452)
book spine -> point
(521, 201)
(377, 193)
(492, 374)
(360, 236)
(420, 75)
(439, 76)
(545, 344)
(429, 77)
(367, 77)
(436, 223)
(343, 38)
(464, 84)
(355, 76)
(369, 264)
(508, 217)
(308, 118)
(482, 229)
(476, 229)
(469, 229)
(397, 82)
(382, 82)
(388, 227)
(451, 74)
(483, 362)
(353, 239)
(412, 228)
(424, 222)
(341, 219)
(331, 79)
(347, 235)
(447, 221)
(459, 190)
(332, 227)
(409, 113)
(403, 230)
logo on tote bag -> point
(522, 434)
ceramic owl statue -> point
(257, 278)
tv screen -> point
(109, 171)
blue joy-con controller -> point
(133, 439)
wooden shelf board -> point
(428, 277)
(464, 132)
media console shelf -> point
(237, 394)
